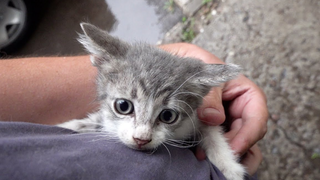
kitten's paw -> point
(234, 172)
(73, 125)
(80, 125)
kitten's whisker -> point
(91, 122)
(186, 81)
(169, 133)
(182, 141)
(95, 140)
(189, 116)
(81, 121)
(193, 125)
(200, 137)
(154, 150)
(186, 104)
(179, 145)
(184, 144)
(192, 93)
(105, 136)
(167, 150)
(79, 132)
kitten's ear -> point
(101, 45)
(215, 74)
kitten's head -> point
(148, 96)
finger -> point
(193, 51)
(211, 111)
(200, 153)
(254, 126)
(234, 129)
(249, 103)
(252, 159)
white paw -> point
(234, 172)
(73, 125)
(80, 125)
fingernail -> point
(210, 114)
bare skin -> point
(51, 90)
(46, 90)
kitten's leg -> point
(220, 154)
(90, 124)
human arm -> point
(46, 90)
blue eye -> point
(123, 106)
(168, 116)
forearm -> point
(46, 90)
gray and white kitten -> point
(149, 97)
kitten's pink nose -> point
(141, 142)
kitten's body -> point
(149, 97)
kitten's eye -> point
(123, 106)
(168, 116)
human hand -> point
(246, 109)
(247, 115)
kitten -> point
(149, 97)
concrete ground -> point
(278, 45)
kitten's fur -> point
(154, 81)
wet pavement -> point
(139, 20)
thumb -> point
(211, 111)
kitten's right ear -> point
(101, 45)
(216, 74)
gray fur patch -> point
(134, 93)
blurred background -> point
(50, 27)
(276, 42)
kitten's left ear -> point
(101, 45)
(216, 74)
